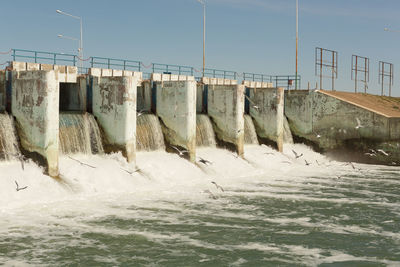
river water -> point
(267, 210)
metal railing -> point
(172, 69)
(286, 81)
(44, 57)
(215, 73)
(109, 63)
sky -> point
(256, 36)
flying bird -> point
(204, 161)
(218, 186)
(383, 152)
(20, 188)
(180, 152)
(358, 123)
(307, 163)
(297, 155)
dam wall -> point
(225, 107)
(176, 108)
(265, 106)
(114, 106)
(334, 123)
(3, 82)
(35, 105)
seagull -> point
(383, 152)
(131, 172)
(317, 162)
(370, 154)
(204, 161)
(358, 124)
(140, 113)
(288, 162)
(307, 163)
(82, 163)
(256, 107)
(218, 186)
(297, 155)
(20, 188)
(211, 194)
(180, 152)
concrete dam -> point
(51, 110)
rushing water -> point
(250, 135)
(149, 136)
(205, 135)
(8, 138)
(271, 209)
(79, 133)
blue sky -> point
(242, 35)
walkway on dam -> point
(383, 105)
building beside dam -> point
(48, 110)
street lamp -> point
(80, 50)
(204, 33)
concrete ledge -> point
(266, 108)
(252, 84)
(176, 106)
(99, 72)
(35, 99)
(218, 81)
(114, 106)
(64, 74)
(159, 77)
(226, 109)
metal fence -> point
(286, 81)
(110, 63)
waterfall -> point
(250, 135)
(205, 135)
(149, 136)
(287, 134)
(79, 133)
(8, 138)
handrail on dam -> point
(278, 80)
(113, 62)
(48, 57)
(215, 73)
(285, 81)
(172, 69)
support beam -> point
(176, 107)
(266, 108)
(226, 109)
(35, 104)
(114, 106)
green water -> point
(259, 220)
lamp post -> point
(204, 33)
(80, 50)
(297, 42)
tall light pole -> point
(204, 33)
(80, 50)
(297, 41)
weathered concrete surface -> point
(160, 77)
(35, 99)
(144, 96)
(176, 107)
(64, 74)
(218, 81)
(332, 124)
(253, 84)
(226, 109)
(114, 106)
(99, 72)
(2, 90)
(266, 108)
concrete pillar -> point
(114, 106)
(2, 90)
(176, 107)
(35, 104)
(226, 109)
(266, 108)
